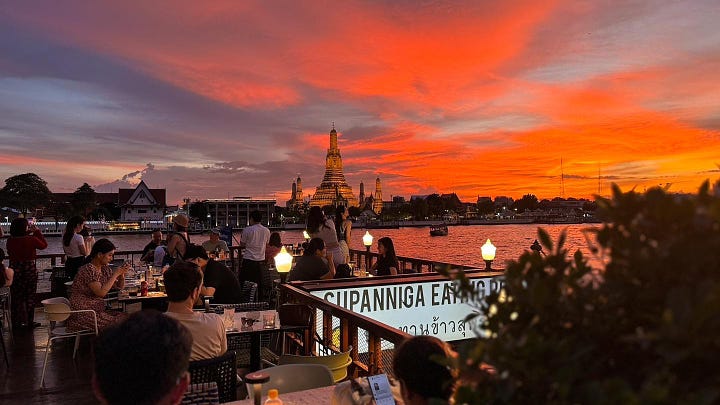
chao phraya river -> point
(461, 246)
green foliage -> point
(642, 330)
(25, 192)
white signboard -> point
(423, 308)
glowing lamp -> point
(306, 236)
(283, 261)
(367, 240)
(488, 254)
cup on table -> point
(268, 319)
(229, 318)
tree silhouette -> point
(25, 192)
(84, 200)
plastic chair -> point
(57, 311)
(295, 377)
(220, 370)
(337, 363)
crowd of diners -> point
(189, 274)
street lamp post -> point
(488, 254)
(209, 223)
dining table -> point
(315, 396)
(254, 324)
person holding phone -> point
(92, 283)
(22, 245)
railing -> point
(365, 259)
(376, 360)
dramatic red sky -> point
(229, 98)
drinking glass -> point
(229, 318)
(268, 320)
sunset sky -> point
(211, 99)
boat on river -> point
(439, 230)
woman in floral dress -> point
(91, 285)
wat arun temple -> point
(334, 189)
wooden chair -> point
(296, 315)
(337, 363)
(295, 377)
(220, 370)
(57, 311)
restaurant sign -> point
(423, 308)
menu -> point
(380, 387)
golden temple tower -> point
(377, 200)
(333, 190)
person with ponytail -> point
(74, 246)
(91, 285)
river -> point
(461, 246)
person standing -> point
(74, 246)
(320, 227)
(343, 227)
(253, 240)
(22, 247)
(177, 241)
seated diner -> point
(316, 263)
(218, 281)
(387, 264)
(92, 283)
(183, 281)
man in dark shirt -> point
(218, 280)
(149, 249)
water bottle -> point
(273, 398)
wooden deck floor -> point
(66, 381)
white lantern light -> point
(306, 235)
(283, 261)
(488, 254)
(367, 239)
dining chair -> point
(296, 315)
(201, 394)
(5, 316)
(295, 377)
(248, 291)
(337, 363)
(57, 311)
(5, 313)
(220, 370)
